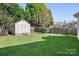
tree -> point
(5, 22)
(9, 14)
(51, 18)
(38, 14)
(33, 14)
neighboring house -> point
(77, 16)
(22, 28)
(60, 24)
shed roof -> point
(22, 21)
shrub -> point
(42, 29)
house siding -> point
(78, 27)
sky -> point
(62, 11)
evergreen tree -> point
(38, 14)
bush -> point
(42, 29)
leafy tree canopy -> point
(38, 14)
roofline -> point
(22, 20)
(76, 14)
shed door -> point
(23, 28)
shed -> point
(77, 16)
(22, 28)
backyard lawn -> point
(39, 44)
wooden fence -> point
(71, 31)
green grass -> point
(39, 44)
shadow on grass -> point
(54, 45)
